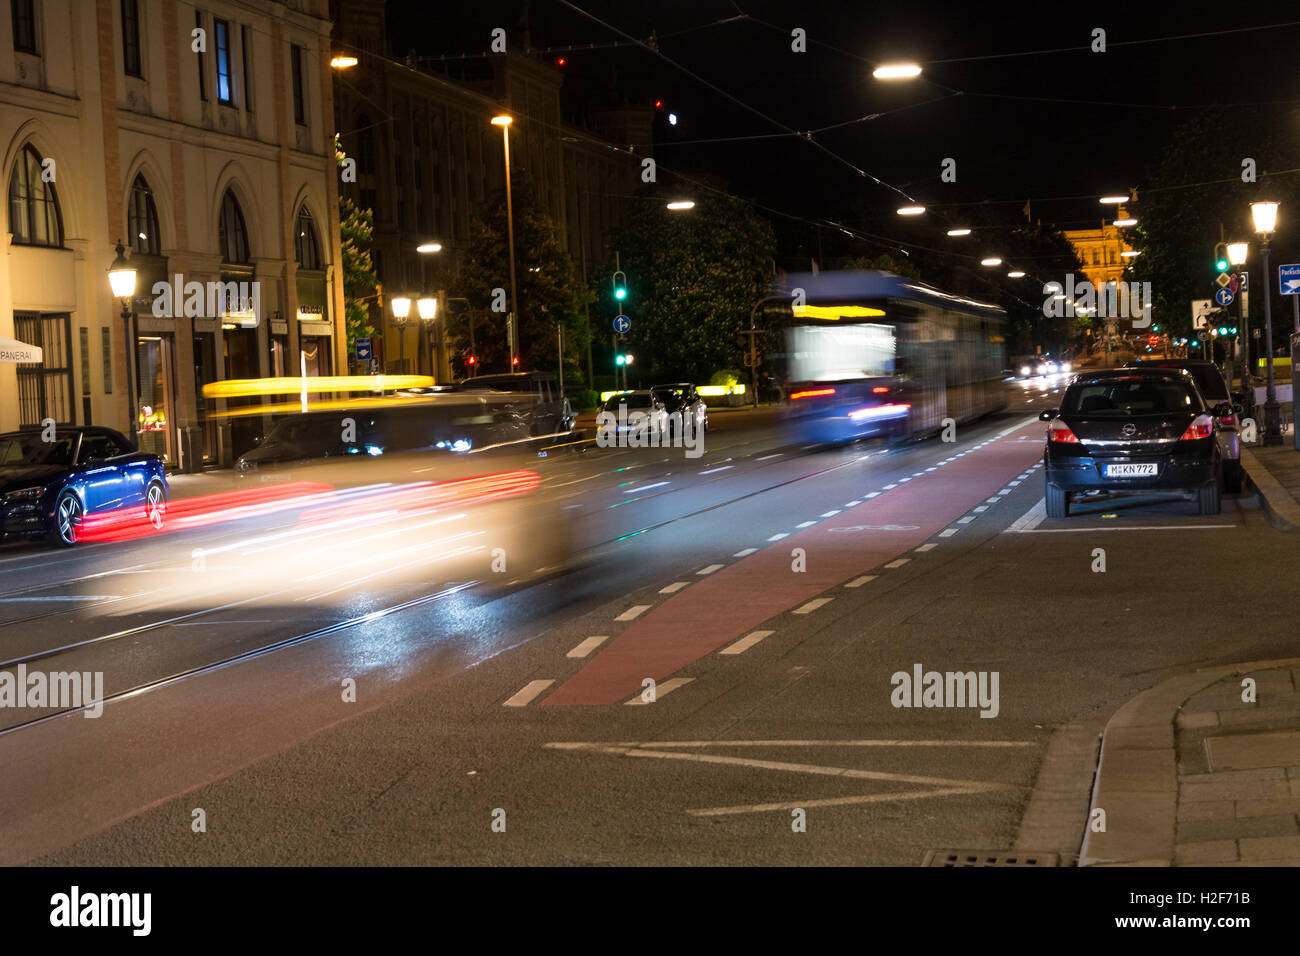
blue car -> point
(48, 487)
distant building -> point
(217, 166)
(1101, 250)
(428, 158)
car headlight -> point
(246, 466)
(25, 494)
(1024, 370)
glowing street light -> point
(428, 247)
(959, 232)
(1237, 253)
(682, 204)
(1113, 200)
(991, 261)
(911, 210)
(343, 61)
(1125, 222)
(121, 278)
(897, 71)
(1015, 274)
(1265, 216)
(504, 120)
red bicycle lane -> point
(738, 598)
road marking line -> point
(1145, 527)
(898, 563)
(1005, 491)
(744, 553)
(935, 468)
(710, 569)
(854, 504)
(633, 612)
(661, 691)
(674, 587)
(901, 480)
(766, 457)
(834, 801)
(918, 474)
(928, 546)
(587, 646)
(713, 471)
(980, 509)
(1012, 484)
(805, 524)
(858, 582)
(994, 500)
(888, 487)
(869, 495)
(966, 520)
(813, 605)
(778, 537)
(948, 532)
(1030, 519)
(628, 491)
(831, 514)
(869, 742)
(530, 692)
(66, 597)
(746, 642)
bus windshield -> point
(833, 353)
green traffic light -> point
(1222, 265)
(620, 294)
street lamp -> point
(504, 122)
(896, 71)
(428, 309)
(343, 61)
(1237, 257)
(121, 278)
(401, 309)
(682, 204)
(1265, 216)
(428, 247)
(910, 210)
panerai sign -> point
(231, 301)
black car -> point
(537, 396)
(48, 487)
(684, 399)
(1209, 380)
(1133, 430)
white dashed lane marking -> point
(710, 569)
(948, 532)
(674, 587)
(898, 562)
(661, 690)
(858, 582)
(587, 646)
(805, 524)
(929, 546)
(778, 537)
(831, 514)
(633, 612)
(744, 553)
(529, 693)
(746, 642)
(813, 605)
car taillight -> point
(1202, 426)
(1228, 421)
(1059, 431)
(880, 390)
(812, 393)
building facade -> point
(200, 136)
(429, 159)
(1101, 250)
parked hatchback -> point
(1133, 430)
(1215, 392)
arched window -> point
(305, 245)
(142, 219)
(232, 234)
(34, 217)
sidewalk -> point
(1273, 473)
(1193, 775)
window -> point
(106, 354)
(305, 245)
(34, 216)
(225, 95)
(299, 103)
(365, 146)
(232, 235)
(203, 66)
(142, 219)
(245, 48)
(24, 12)
(131, 37)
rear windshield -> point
(1208, 380)
(1139, 395)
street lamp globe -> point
(401, 306)
(121, 275)
(1237, 253)
(428, 307)
(1265, 216)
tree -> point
(692, 278)
(357, 229)
(550, 293)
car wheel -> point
(155, 505)
(1232, 476)
(1058, 502)
(1209, 498)
(68, 513)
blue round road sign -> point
(621, 324)
(1223, 296)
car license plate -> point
(1132, 470)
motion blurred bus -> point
(868, 353)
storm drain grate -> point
(990, 858)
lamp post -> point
(1265, 216)
(428, 309)
(121, 278)
(1237, 256)
(504, 122)
(401, 309)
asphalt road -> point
(327, 692)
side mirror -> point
(1221, 409)
(1048, 414)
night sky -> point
(1044, 126)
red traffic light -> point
(659, 104)
(561, 61)
(471, 360)
(515, 360)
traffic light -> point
(515, 360)
(1221, 257)
(623, 358)
(472, 360)
(620, 285)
